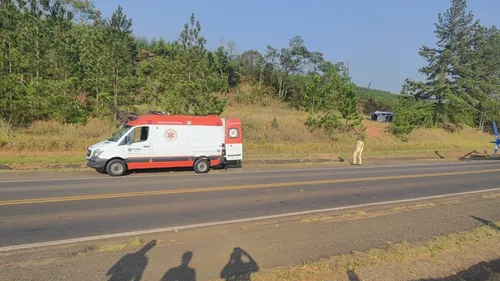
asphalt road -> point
(51, 209)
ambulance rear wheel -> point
(116, 168)
(202, 166)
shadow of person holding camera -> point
(238, 270)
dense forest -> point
(62, 60)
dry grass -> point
(270, 129)
(273, 128)
(362, 214)
(50, 136)
(400, 256)
(106, 248)
(490, 196)
(339, 217)
(291, 134)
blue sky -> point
(380, 38)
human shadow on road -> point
(352, 276)
(487, 222)
(484, 271)
(238, 270)
(183, 272)
(131, 266)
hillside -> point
(381, 96)
(56, 110)
(271, 130)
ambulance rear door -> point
(233, 139)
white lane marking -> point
(218, 223)
(258, 172)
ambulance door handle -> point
(146, 146)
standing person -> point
(360, 145)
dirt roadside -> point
(273, 243)
(44, 174)
(39, 165)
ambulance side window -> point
(139, 134)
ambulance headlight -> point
(97, 152)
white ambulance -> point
(169, 141)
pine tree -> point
(193, 49)
(95, 64)
(198, 81)
(314, 93)
(348, 106)
(337, 101)
(480, 76)
(120, 30)
(446, 62)
(410, 113)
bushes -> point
(410, 113)
(267, 132)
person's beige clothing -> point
(360, 145)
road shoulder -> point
(39, 163)
(44, 175)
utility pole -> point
(369, 92)
(348, 67)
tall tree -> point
(337, 101)
(197, 80)
(120, 30)
(480, 76)
(410, 113)
(251, 63)
(288, 62)
(314, 93)
(193, 49)
(454, 31)
(95, 64)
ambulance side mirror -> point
(128, 140)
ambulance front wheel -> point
(116, 167)
(202, 166)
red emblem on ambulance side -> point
(170, 135)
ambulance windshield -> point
(120, 133)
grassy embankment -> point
(439, 258)
(271, 130)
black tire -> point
(116, 168)
(101, 171)
(201, 166)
